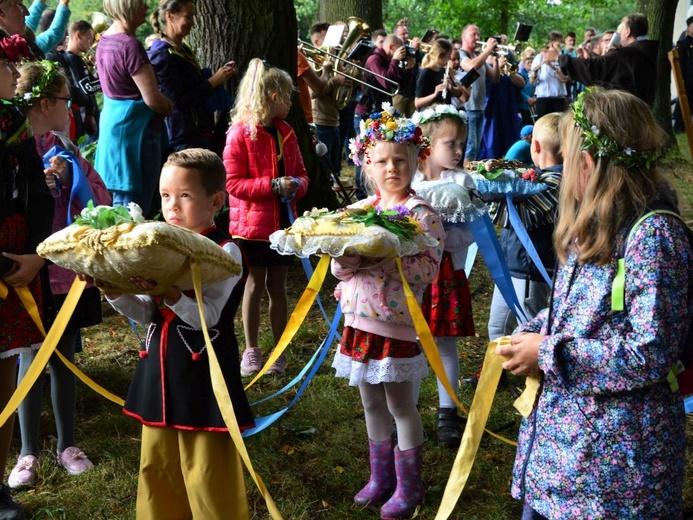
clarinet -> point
(446, 77)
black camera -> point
(498, 39)
(411, 51)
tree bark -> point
(244, 29)
(660, 15)
(370, 11)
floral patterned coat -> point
(607, 436)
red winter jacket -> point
(250, 167)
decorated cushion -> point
(363, 232)
(124, 249)
(496, 178)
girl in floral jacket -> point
(606, 438)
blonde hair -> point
(529, 52)
(207, 164)
(547, 132)
(122, 10)
(614, 194)
(438, 49)
(444, 125)
(412, 155)
(257, 86)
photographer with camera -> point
(485, 63)
(548, 79)
(404, 100)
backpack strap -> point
(618, 287)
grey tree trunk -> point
(660, 15)
(244, 29)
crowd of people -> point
(606, 437)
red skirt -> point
(19, 330)
(447, 304)
(361, 346)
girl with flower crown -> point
(26, 216)
(43, 93)
(265, 177)
(607, 435)
(378, 351)
(447, 303)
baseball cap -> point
(526, 130)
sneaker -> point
(74, 460)
(278, 368)
(9, 509)
(251, 362)
(24, 473)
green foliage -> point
(103, 217)
(306, 15)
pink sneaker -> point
(74, 460)
(24, 473)
(278, 368)
(251, 362)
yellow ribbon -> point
(221, 392)
(476, 422)
(49, 344)
(28, 300)
(430, 349)
(298, 316)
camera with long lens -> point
(411, 53)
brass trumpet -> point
(317, 56)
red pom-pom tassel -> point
(143, 354)
(196, 356)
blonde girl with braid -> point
(265, 177)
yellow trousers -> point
(190, 475)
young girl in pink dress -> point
(378, 351)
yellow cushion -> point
(152, 250)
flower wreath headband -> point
(51, 70)
(436, 113)
(387, 126)
(606, 147)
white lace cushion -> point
(372, 242)
(153, 250)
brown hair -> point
(158, 17)
(208, 164)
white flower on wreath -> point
(136, 213)
(387, 107)
(434, 113)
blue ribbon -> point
(521, 231)
(486, 239)
(80, 184)
(688, 403)
(314, 365)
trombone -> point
(500, 50)
(318, 56)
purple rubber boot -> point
(383, 480)
(410, 490)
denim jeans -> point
(532, 296)
(476, 129)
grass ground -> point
(315, 458)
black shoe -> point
(450, 426)
(9, 509)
